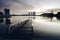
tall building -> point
(29, 13)
(7, 13)
(33, 13)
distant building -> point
(29, 13)
(33, 13)
(7, 13)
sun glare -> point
(44, 8)
(40, 9)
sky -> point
(19, 6)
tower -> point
(7, 13)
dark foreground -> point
(24, 31)
(19, 31)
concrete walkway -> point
(19, 31)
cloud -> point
(21, 5)
(4, 3)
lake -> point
(39, 23)
(42, 26)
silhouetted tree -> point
(58, 15)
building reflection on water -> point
(16, 19)
(1, 20)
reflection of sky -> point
(54, 19)
(46, 27)
(24, 5)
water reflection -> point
(31, 17)
(1, 20)
(54, 19)
(17, 19)
(38, 25)
(7, 21)
(47, 19)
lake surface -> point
(44, 24)
(17, 19)
(41, 25)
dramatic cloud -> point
(17, 6)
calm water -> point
(41, 25)
(17, 19)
